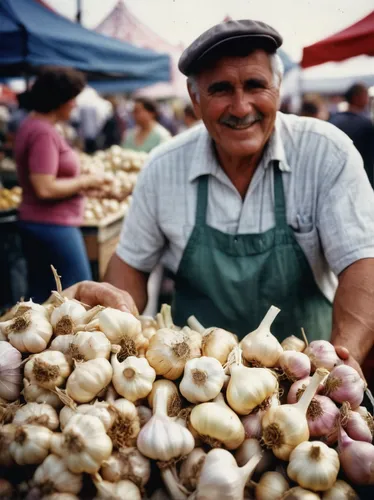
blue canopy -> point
(33, 36)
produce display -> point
(98, 403)
(10, 198)
(121, 167)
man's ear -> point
(195, 102)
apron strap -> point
(202, 201)
(279, 199)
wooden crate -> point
(101, 239)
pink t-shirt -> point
(40, 149)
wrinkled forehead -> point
(255, 64)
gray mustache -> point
(234, 121)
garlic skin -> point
(125, 425)
(313, 465)
(47, 369)
(35, 393)
(29, 332)
(191, 468)
(293, 343)
(169, 350)
(88, 379)
(123, 490)
(260, 347)
(340, 491)
(53, 473)
(271, 486)
(133, 378)
(127, 463)
(7, 433)
(296, 365)
(99, 409)
(322, 354)
(10, 372)
(65, 317)
(37, 414)
(221, 477)
(216, 424)
(31, 444)
(203, 379)
(83, 444)
(249, 388)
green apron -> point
(230, 280)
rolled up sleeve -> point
(345, 209)
(142, 241)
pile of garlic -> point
(101, 395)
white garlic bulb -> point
(31, 444)
(191, 468)
(203, 379)
(65, 317)
(10, 372)
(29, 332)
(48, 369)
(118, 325)
(123, 490)
(37, 414)
(127, 463)
(99, 409)
(125, 425)
(133, 378)
(35, 393)
(83, 444)
(88, 379)
(53, 474)
(271, 486)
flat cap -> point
(246, 33)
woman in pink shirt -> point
(48, 170)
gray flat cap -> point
(212, 43)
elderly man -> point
(256, 208)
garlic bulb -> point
(123, 490)
(163, 438)
(340, 491)
(322, 354)
(221, 477)
(127, 463)
(62, 343)
(293, 343)
(83, 444)
(217, 425)
(296, 365)
(29, 332)
(119, 325)
(99, 409)
(38, 414)
(125, 426)
(345, 384)
(249, 388)
(31, 444)
(7, 433)
(216, 342)
(271, 486)
(313, 465)
(65, 317)
(169, 350)
(260, 347)
(286, 426)
(88, 379)
(248, 449)
(89, 345)
(48, 369)
(298, 493)
(35, 393)
(202, 380)
(191, 468)
(53, 475)
(10, 372)
(149, 326)
(133, 378)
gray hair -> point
(277, 68)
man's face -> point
(238, 103)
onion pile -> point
(90, 398)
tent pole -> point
(79, 12)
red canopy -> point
(355, 40)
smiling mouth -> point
(240, 127)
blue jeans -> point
(61, 246)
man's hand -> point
(347, 359)
(104, 294)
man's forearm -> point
(353, 311)
(129, 279)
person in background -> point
(310, 109)
(148, 133)
(357, 126)
(48, 171)
(114, 128)
(189, 117)
(89, 127)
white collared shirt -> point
(330, 203)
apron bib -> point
(230, 281)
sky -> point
(300, 22)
